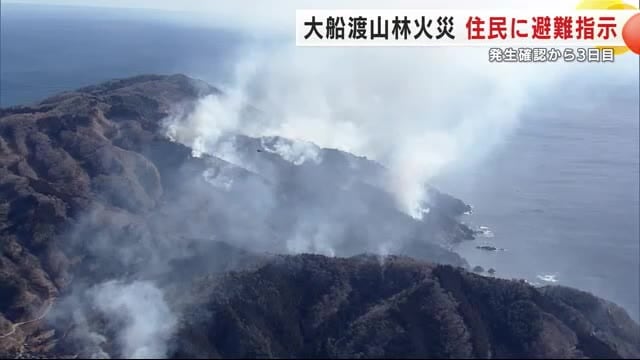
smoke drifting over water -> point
(422, 112)
(418, 111)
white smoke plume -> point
(313, 238)
(294, 151)
(135, 311)
(419, 111)
(146, 318)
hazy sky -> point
(278, 14)
(242, 5)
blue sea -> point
(48, 49)
(561, 196)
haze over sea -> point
(561, 195)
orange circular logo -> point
(631, 33)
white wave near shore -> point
(484, 231)
(549, 278)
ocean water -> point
(48, 49)
(561, 195)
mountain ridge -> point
(92, 191)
